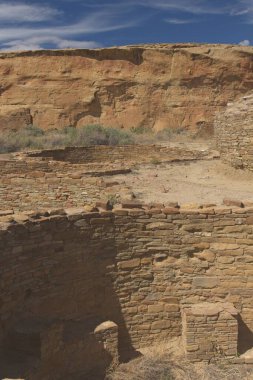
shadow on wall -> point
(245, 337)
(65, 307)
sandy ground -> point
(188, 182)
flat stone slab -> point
(210, 309)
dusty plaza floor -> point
(188, 182)
(193, 174)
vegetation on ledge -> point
(32, 137)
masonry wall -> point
(133, 267)
(132, 153)
(70, 177)
(234, 133)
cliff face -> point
(157, 86)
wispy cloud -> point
(25, 25)
(38, 43)
(64, 35)
(188, 6)
(179, 21)
(22, 12)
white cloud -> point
(38, 43)
(94, 23)
(179, 21)
(189, 6)
(243, 8)
(33, 37)
(22, 12)
(244, 43)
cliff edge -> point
(156, 86)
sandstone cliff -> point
(158, 86)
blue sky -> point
(101, 23)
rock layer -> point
(156, 86)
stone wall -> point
(234, 133)
(118, 154)
(69, 177)
(210, 331)
(66, 272)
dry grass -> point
(32, 137)
(168, 363)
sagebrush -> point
(31, 137)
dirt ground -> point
(204, 181)
(167, 361)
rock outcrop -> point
(156, 86)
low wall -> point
(100, 153)
(134, 267)
(68, 177)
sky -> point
(60, 24)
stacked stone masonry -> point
(210, 331)
(234, 133)
(71, 177)
(67, 271)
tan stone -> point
(205, 282)
(129, 264)
(155, 308)
(160, 324)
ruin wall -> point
(70, 177)
(234, 133)
(73, 270)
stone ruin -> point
(83, 289)
(148, 270)
(234, 133)
(210, 331)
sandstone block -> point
(105, 205)
(131, 204)
(155, 308)
(233, 202)
(157, 325)
(205, 282)
(129, 264)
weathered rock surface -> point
(157, 86)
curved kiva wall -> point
(63, 273)
(234, 133)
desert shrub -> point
(32, 137)
(99, 135)
(155, 161)
(168, 133)
(32, 130)
(140, 130)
